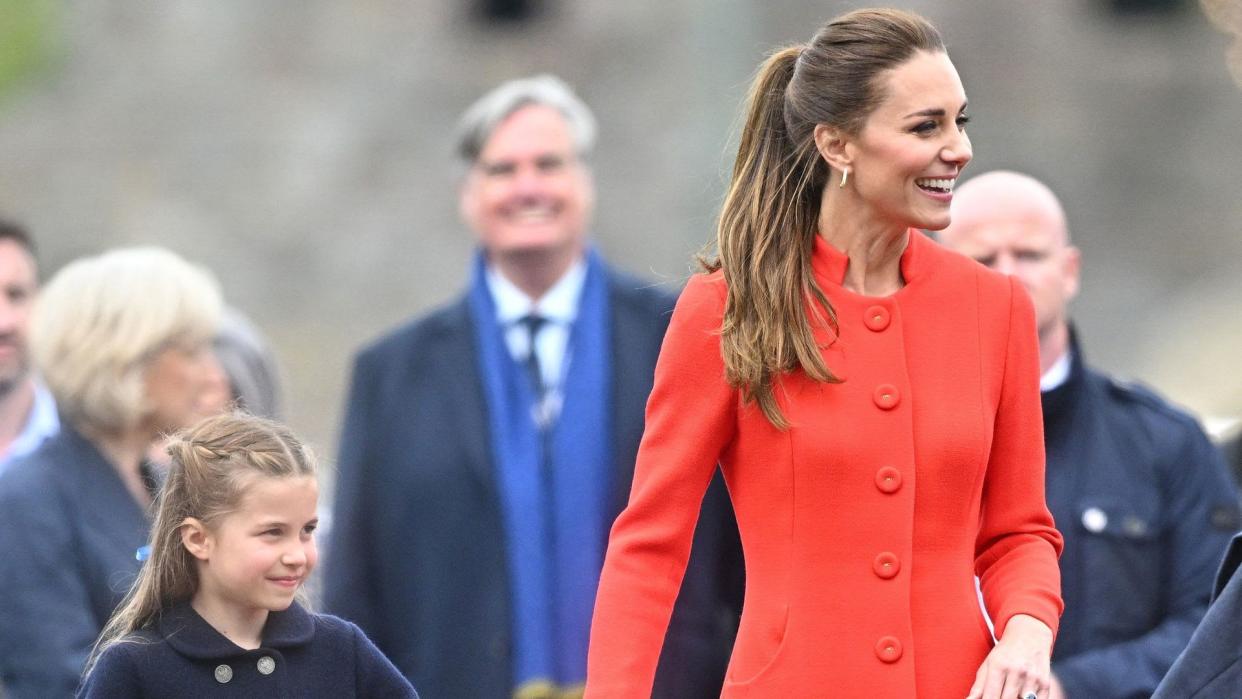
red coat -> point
(865, 523)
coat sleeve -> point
(375, 674)
(348, 583)
(114, 675)
(1017, 546)
(1199, 490)
(690, 419)
(47, 624)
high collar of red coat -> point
(829, 263)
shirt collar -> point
(559, 304)
(44, 419)
(41, 423)
(1057, 374)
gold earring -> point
(845, 177)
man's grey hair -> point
(482, 118)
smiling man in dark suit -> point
(489, 445)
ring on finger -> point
(1030, 695)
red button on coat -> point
(877, 318)
(888, 649)
(886, 565)
(888, 480)
(886, 396)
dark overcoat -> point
(1211, 665)
(417, 552)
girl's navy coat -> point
(303, 655)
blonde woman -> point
(123, 342)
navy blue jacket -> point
(1211, 665)
(303, 655)
(416, 554)
(69, 531)
(1146, 507)
(1231, 449)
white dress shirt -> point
(42, 423)
(558, 307)
(1057, 374)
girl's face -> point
(914, 145)
(257, 557)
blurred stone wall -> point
(300, 148)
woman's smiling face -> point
(913, 146)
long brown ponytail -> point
(767, 227)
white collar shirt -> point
(1057, 374)
(558, 307)
(42, 423)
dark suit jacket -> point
(1211, 666)
(416, 556)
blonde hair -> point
(768, 223)
(212, 464)
(101, 319)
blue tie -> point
(533, 324)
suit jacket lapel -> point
(464, 394)
(636, 336)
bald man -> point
(1142, 497)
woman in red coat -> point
(871, 397)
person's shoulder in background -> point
(1230, 444)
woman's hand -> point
(1019, 664)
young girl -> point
(214, 609)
